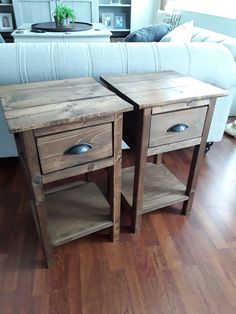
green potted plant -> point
(63, 15)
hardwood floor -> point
(176, 264)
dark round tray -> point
(51, 27)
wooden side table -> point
(63, 129)
(171, 111)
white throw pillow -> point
(181, 33)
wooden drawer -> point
(52, 148)
(160, 133)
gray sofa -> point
(23, 63)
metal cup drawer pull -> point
(78, 149)
(181, 127)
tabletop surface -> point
(37, 105)
(160, 88)
(97, 30)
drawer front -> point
(162, 133)
(52, 148)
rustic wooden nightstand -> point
(63, 129)
(171, 111)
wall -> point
(143, 13)
(218, 24)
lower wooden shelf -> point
(76, 211)
(161, 187)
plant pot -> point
(66, 23)
(59, 23)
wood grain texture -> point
(76, 211)
(143, 130)
(40, 213)
(77, 170)
(52, 147)
(177, 264)
(198, 154)
(45, 104)
(160, 89)
(161, 123)
(161, 187)
(114, 179)
(181, 106)
(73, 126)
(173, 146)
(142, 137)
(44, 117)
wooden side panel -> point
(32, 164)
(51, 148)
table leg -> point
(144, 120)
(114, 178)
(198, 155)
(31, 161)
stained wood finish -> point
(181, 106)
(39, 105)
(114, 179)
(198, 154)
(178, 264)
(160, 123)
(144, 120)
(161, 187)
(52, 147)
(86, 212)
(40, 213)
(77, 170)
(161, 89)
(49, 118)
(73, 126)
(173, 146)
(157, 100)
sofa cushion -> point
(152, 33)
(182, 33)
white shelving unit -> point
(116, 15)
(138, 13)
(115, 5)
(7, 8)
(124, 15)
(36, 11)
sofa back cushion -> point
(182, 33)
